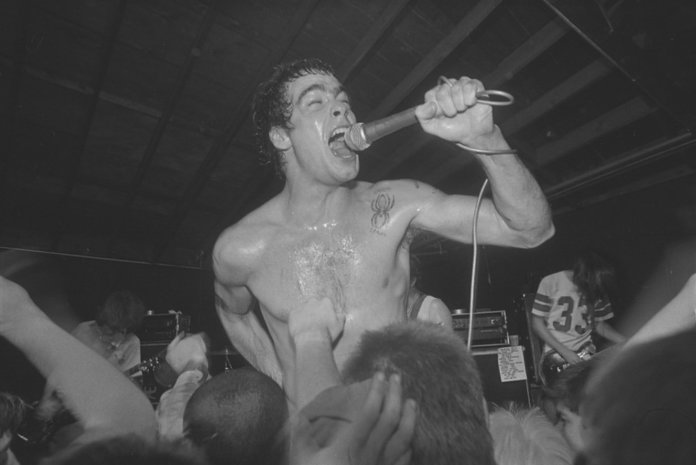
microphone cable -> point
(485, 98)
(474, 265)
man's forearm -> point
(315, 367)
(517, 196)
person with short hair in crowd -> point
(238, 417)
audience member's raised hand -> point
(380, 433)
(316, 319)
(187, 352)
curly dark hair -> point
(271, 106)
(122, 310)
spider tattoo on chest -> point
(381, 206)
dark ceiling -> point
(125, 127)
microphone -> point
(361, 135)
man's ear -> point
(279, 138)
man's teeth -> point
(337, 134)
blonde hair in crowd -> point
(523, 436)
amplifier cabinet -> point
(495, 390)
(490, 328)
(163, 327)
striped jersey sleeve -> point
(603, 310)
(542, 300)
(542, 305)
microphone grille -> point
(355, 138)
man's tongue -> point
(339, 149)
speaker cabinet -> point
(495, 389)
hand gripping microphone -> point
(361, 135)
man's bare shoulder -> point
(241, 244)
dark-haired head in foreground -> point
(640, 407)
(237, 418)
(439, 373)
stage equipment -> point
(490, 328)
(163, 327)
(503, 375)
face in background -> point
(112, 336)
(320, 115)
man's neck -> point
(315, 204)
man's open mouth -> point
(338, 134)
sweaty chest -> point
(344, 264)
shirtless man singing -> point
(326, 235)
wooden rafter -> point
(9, 114)
(100, 77)
(372, 38)
(201, 36)
(621, 165)
(651, 81)
(621, 116)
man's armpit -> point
(220, 303)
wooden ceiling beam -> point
(649, 78)
(9, 113)
(669, 175)
(621, 165)
(437, 55)
(621, 116)
(371, 39)
(537, 44)
(100, 77)
(104, 96)
(200, 38)
(556, 96)
(237, 120)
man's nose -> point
(340, 109)
(343, 109)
